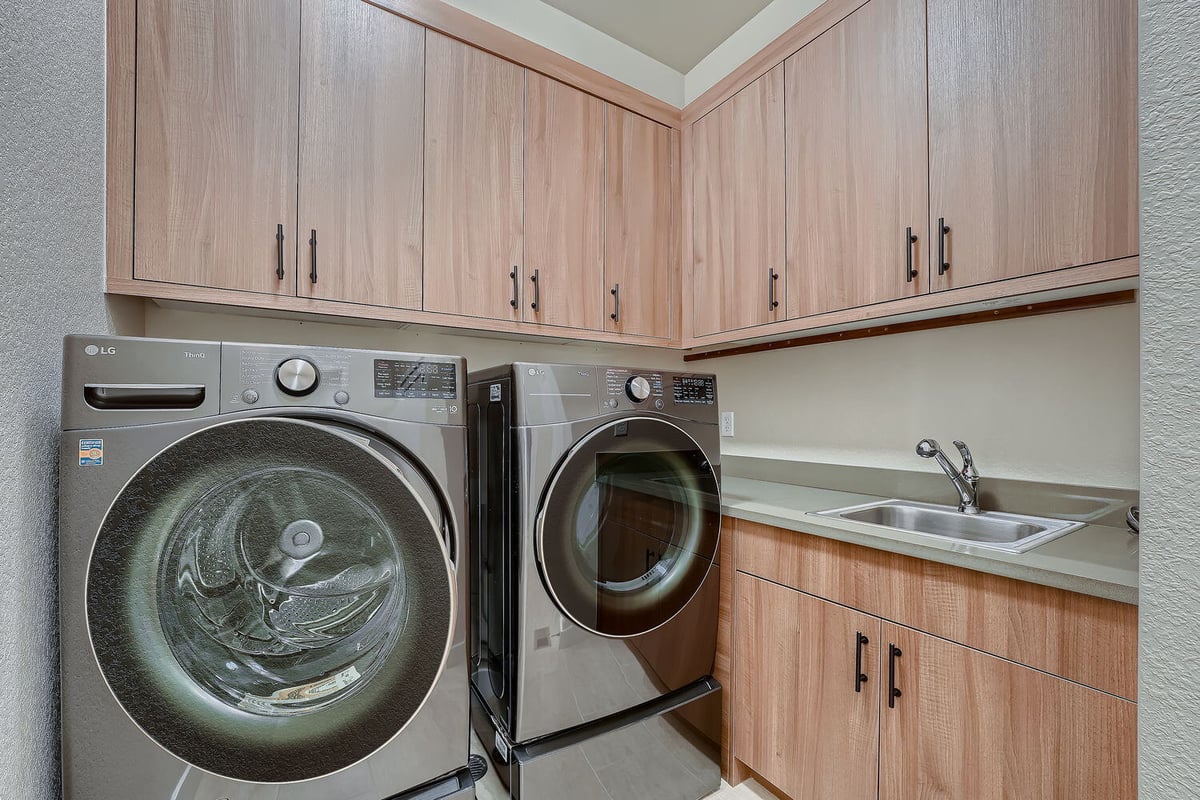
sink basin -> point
(1013, 533)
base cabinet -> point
(970, 725)
(830, 702)
(805, 671)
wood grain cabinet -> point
(362, 89)
(738, 210)
(474, 134)
(807, 710)
(1032, 136)
(846, 682)
(856, 161)
(214, 169)
(641, 224)
(564, 205)
(968, 724)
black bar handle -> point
(537, 290)
(893, 653)
(772, 276)
(615, 291)
(515, 302)
(312, 243)
(943, 229)
(910, 239)
(860, 677)
(279, 273)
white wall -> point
(480, 352)
(562, 33)
(759, 31)
(51, 272)
(1051, 398)
(1169, 663)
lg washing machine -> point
(260, 549)
(596, 516)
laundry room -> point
(544, 399)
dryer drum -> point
(629, 527)
(269, 600)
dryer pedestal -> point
(667, 749)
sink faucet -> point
(966, 480)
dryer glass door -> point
(270, 599)
(629, 526)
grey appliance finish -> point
(147, 421)
(538, 665)
(666, 749)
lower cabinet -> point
(807, 712)
(966, 724)
(831, 703)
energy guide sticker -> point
(91, 452)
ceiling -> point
(679, 33)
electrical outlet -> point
(727, 423)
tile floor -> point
(490, 789)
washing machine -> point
(259, 559)
(595, 517)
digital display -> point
(432, 380)
(695, 391)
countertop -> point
(1096, 559)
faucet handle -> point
(928, 448)
(968, 469)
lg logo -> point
(96, 350)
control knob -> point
(297, 376)
(638, 388)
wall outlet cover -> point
(727, 423)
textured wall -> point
(51, 257)
(1169, 710)
(1051, 398)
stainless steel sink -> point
(1014, 533)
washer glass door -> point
(629, 526)
(270, 599)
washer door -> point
(629, 526)
(270, 600)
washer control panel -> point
(694, 390)
(410, 386)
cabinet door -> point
(856, 161)
(564, 205)
(215, 154)
(968, 724)
(802, 720)
(738, 208)
(362, 92)
(473, 141)
(639, 237)
(1032, 135)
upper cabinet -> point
(856, 166)
(361, 93)
(564, 205)
(214, 169)
(641, 226)
(738, 210)
(1032, 136)
(474, 136)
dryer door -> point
(270, 599)
(629, 526)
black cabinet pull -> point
(772, 276)
(615, 291)
(893, 692)
(943, 229)
(312, 243)
(515, 302)
(910, 239)
(279, 273)
(537, 290)
(860, 677)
